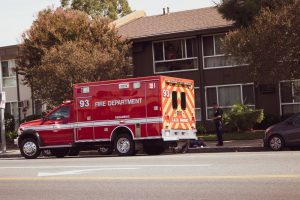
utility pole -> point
(2, 107)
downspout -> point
(18, 94)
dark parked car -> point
(283, 134)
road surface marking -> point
(77, 172)
(101, 166)
(137, 178)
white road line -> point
(101, 166)
(77, 172)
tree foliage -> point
(106, 8)
(271, 45)
(64, 47)
(243, 12)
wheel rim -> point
(276, 143)
(123, 145)
(30, 148)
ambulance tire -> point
(60, 152)
(29, 148)
(153, 149)
(124, 145)
(105, 150)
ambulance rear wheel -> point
(60, 152)
(124, 145)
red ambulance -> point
(119, 115)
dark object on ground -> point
(197, 143)
(283, 134)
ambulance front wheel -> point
(29, 148)
(124, 145)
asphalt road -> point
(213, 176)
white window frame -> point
(164, 61)
(10, 77)
(197, 108)
(227, 85)
(10, 102)
(215, 55)
(283, 104)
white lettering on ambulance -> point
(100, 103)
(118, 102)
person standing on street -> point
(218, 123)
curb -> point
(190, 150)
(226, 149)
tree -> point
(66, 47)
(270, 45)
(243, 12)
(106, 8)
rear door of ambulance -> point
(178, 106)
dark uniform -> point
(218, 123)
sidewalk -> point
(229, 146)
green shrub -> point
(200, 128)
(268, 120)
(11, 135)
(242, 117)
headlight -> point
(20, 131)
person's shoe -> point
(219, 144)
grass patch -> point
(247, 135)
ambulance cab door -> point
(84, 117)
(153, 108)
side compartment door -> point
(84, 117)
(153, 108)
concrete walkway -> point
(229, 146)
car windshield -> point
(294, 119)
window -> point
(61, 113)
(183, 100)
(8, 73)
(174, 55)
(12, 108)
(290, 97)
(213, 54)
(174, 100)
(38, 107)
(197, 104)
(227, 95)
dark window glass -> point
(219, 44)
(183, 100)
(197, 98)
(211, 95)
(61, 113)
(297, 120)
(176, 65)
(296, 88)
(7, 108)
(5, 70)
(248, 94)
(208, 46)
(173, 50)
(174, 100)
(286, 92)
(38, 107)
(158, 51)
(190, 48)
